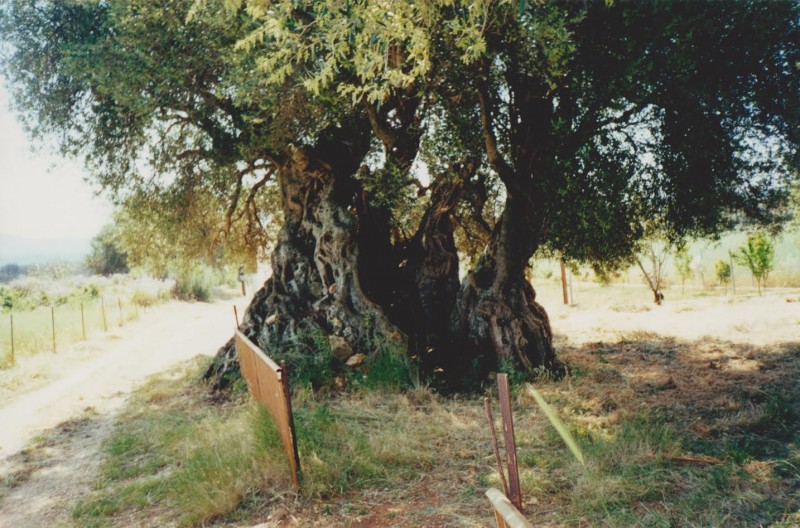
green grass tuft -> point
(170, 450)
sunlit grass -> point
(394, 458)
(189, 460)
(194, 462)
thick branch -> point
(401, 142)
(234, 200)
(191, 153)
(385, 134)
(496, 159)
(250, 200)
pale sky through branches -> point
(42, 195)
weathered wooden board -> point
(269, 384)
(506, 515)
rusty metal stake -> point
(103, 309)
(515, 494)
(236, 315)
(497, 458)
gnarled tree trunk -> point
(316, 283)
(497, 321)
(336, 272)
(429, 273)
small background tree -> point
(10, 272)
(722, 269)
(650, 258)
(758, 254)
(683, 264)
(107, 257)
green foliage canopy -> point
(107, 256)
(596, 115)
(590, 117)
(158, 109)
(758, 254)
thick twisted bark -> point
(336, 271)
(316, 284)
(497, 322)
(429, 268)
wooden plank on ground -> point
(506, 514)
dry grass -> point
(682, 433)
(699, 431)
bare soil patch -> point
(41, 482)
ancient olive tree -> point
(600, 120)
(169, 116)
(400, 138)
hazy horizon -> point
(26, 251)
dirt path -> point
(755, 320)
(36, 483)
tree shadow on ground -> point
(744, 395)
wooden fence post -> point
(119, 303)
(53, 319)
(103, 309)
(236, 315)
(571, 295)
(13, 358)
(83, 323)
(515, 494)
(564, 281)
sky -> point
(42, 195)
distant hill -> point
(25, 251)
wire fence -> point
(53, 328)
